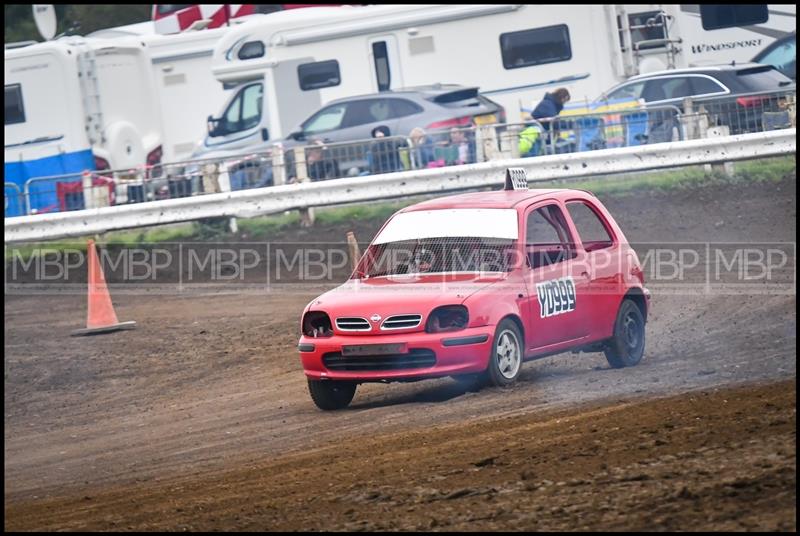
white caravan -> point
(185, 86)
(75, 102)
(290, 63)
(118, 99)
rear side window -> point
(15, 110)
(702, 86)
(716, 17)
(593, 232)
(318, 75)
(672, 88)
(547, 237)
(362, 112)
(535, 47)
(403, 107)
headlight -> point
(447, 318)
(317, 324)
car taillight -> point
(447, 318)
(457, 122)
(749, 102)
(317, 324)
(154, 156)
(101, 163)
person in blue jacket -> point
(551, 106)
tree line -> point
(75, 19)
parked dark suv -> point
(733, 95)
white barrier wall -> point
(249, 203)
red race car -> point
(472, 285)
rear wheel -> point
(505, 362)
(626, 346)
(331, 395)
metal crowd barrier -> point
(742, 113)
(14, 201)
(317, 161)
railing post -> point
(487, 135)
(224, 180)
(725, 168)
(689, 119)
(210, 171)
(86, 182)
(278, 166)
(306, 214)
(509, 141)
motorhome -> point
(119, 98)
(185, 86)
(77, 104)
(290, 63)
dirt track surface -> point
(200, 418)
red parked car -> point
(472, 285)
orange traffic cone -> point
(100, 317)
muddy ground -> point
(200, 418)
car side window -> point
(654, 90)
(703, 86)
(547, 237)
(329, 118)
(403, 108)
(592, 231)
(677, 87)
(363, 112)
(251, 106)
(627, 92)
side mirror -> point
(212, 125)
(298, 135)
(264, 134)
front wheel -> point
(505, 361)
(331, 395)
(626, 346)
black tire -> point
(331, 395)
(504, 368)
(626, 347)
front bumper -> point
(458, 352)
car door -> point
(408, 114)
(325, 122)
(599, 249)
(556, 287)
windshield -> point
(439, 255)
(243, 111)
(444, 241)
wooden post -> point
(355, 252)
(306, 214)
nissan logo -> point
(375, 318)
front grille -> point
(401, 322)
(352, 323)
(414, 359)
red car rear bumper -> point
(421, 355)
